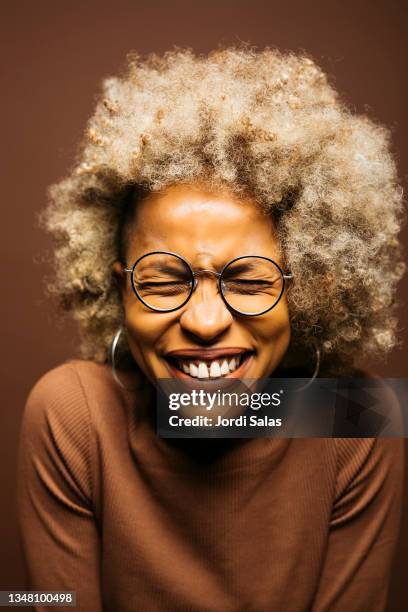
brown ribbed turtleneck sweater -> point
(133, 522)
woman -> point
(190, 164)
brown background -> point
(55, 55)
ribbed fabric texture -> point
(132, 522)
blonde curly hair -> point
(263, 123)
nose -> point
(206, 316)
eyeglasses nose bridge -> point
(198, 272)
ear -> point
(119, 275)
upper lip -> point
(206, 354)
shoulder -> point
(57, 397)
(59, 409)
(379, 408)
(73, 412)
(57, 440)
(367, 469)
(69, 379)
(79, 400)
(69, 389)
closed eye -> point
(247, 286)
(163, 286)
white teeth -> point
(210, 369)
(231, 364)
(215, 370)
(202, 370)
(224, 368)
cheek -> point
(145, 328)
(273, 329)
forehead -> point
(203, 227)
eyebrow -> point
(165, 268)
(172, 269)
(242, 267)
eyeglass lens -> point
(162, 281)
(250, 285)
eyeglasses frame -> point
(194, 284)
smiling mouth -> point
(203, 367)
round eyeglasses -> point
(250, 285)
